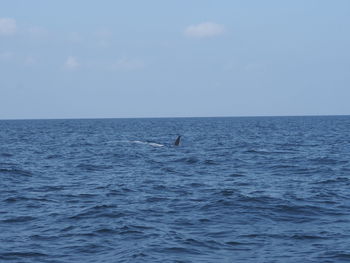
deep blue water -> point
(269, 189)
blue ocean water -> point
(267, 189)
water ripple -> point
(236, 190)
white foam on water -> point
(138, 142)
(149, 143)
(155, 144)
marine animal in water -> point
(177, 142)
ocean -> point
(240, 189)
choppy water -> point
(117, 190)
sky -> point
(173, 58)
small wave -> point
(104, 231)
(23, 198)
(259, 151)
(324, 160)
(336, 180)
(236, 175)
(15, 172)
(14, 199)
(156, 199)
(189, 160)
(306, 237)
(299, 210)
(234, 243)
(18, 219)
(90, 248)
(68, 228)
(257, 199)
(43, 238)
(80, 144)
(197, 185)
(180, 250)
(342, 256)
(98, 211)
(138, 255)
(6, 154)
(92, 167)
(169, 170)
(141, 227)
(78, 197)
(86, 195)
(13, 255)
(155, 187)
(53, 156)
(46, 188)
(211, 244)
(243, 246)
(210, 162)
(283, 166)
(52, 188)
(227, 192)
(7, 164)
(126, 230)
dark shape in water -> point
(177, 142)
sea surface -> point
(258, 189)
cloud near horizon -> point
(8, 26)
(205, 30)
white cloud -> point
(7, 26)
(71, 63)
(128, 64)
(203, 30)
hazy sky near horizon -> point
(156, 58)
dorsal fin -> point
(177, 142)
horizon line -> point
(176, 117)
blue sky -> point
(156, 58)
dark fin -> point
(177, 142)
